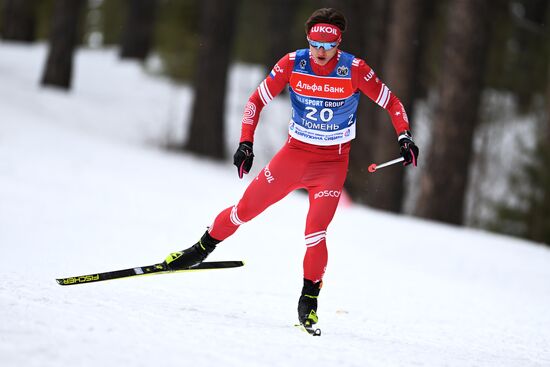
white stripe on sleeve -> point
(383, 97)
(264, 91)
(260, 93)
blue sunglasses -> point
(326, 45)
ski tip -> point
(226, 264)
(223, 264)
(237, 264)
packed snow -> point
(85, 187)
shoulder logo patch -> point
(342, 70)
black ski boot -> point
(192, 256)
(307, 306)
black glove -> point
(409, 150)
(243, 158)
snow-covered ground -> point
(84, 188)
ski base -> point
(159, 268)
(309, 329)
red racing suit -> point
(309, 159)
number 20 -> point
(325, 114)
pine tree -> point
(444, 180)
(138, 31)
(529, 217)
(281, 13)
(400, 63)
(371, 48)
(63, 41)
(18, 20)
(207, 131)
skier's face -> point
(322, 56)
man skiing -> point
(325, 84)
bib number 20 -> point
(325, 114)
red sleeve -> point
(268, 89)
(367, 82)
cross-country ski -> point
(154, 269)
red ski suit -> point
(320, 169)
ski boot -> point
(307, 306)
(193, 255)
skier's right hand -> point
(243, 158)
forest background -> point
(474, 76)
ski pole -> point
(373, 167)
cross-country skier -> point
(325, 84)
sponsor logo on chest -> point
(321, 87)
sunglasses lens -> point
(326, 45)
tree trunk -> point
(443, 183)
(386, 188)
(546, 125)
(207, 131)
(138, 31)
(18, 20)
(529, 22)
(374, 31)
(63, 41)
(281, 14)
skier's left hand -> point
(409, 150)
(243, 158)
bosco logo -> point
(327, 194)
